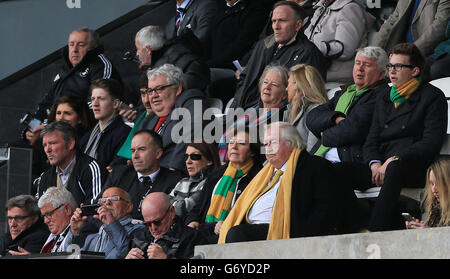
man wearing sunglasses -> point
(166, 236)
(408, 130)
(118, 225)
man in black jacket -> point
(176, 114)
(27, 231)
(83, 62)
(407, 132)
(146, 175)
(167, 237)
(183, 51)
(76, 171)
(108, 135)
(287, 47)
(342, 124)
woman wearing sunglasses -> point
(224, 186)
(200, 160)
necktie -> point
(160, 125)
(179, 14)
(148, 184)
(48, 247)
(274, 181)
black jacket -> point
(31, 239)
(178, 243)
(414, 131)
(173, 154)
(77, 80)
(126, 178)
(111, 141)
(198, 213)
(85, 182)
(198, 17)
(316, 204)
(299, 51)
(350, 134)
(236, 29)
(184, 52)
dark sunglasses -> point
(194, 157)
(156, 222)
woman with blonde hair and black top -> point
(436, 198)
(306, 90)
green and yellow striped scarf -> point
(223, 196)
(401, 94)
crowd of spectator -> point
(286, 167)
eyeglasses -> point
(194, 157)
(17, 218)
(398, 67)
(51, 212)
(156, 222)
(112, 199)
(158, 89)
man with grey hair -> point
(294, 195)
(154, 50)
(172, 112)
(57, 206)
(83, 62)
(342, 125)
(27, 231)
(70, 168)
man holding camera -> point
(167, 236)
(113, 211)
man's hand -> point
(135, 253)
(339, 119)
(194, 225)
(218, 227)
(415, 224)
(379, 171)
(128, 112)
(33, 136)
(77, 221)
(105, 215)
(155, 251)
(21, 252)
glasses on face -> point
(398, 67)
(18, 218)
(193, 156)
(156, 222)
(112, 199)
(51, 212)
(158, 89)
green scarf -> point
(343, 104)
(125, 150)
(223, 196)
(401, 94)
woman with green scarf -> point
(223, 186)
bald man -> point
(118, 226)
(167, 236)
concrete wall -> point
(34, 29)
(405, 244)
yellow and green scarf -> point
(224, 193)
(401, 94)
(344, 103)
(280, 222)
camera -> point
(89, 210)
(30, 121)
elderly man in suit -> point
(290, 197)
(146, 175)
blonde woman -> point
(306, 90)
(436, 199)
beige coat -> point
(428, 26)
(342, 28)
